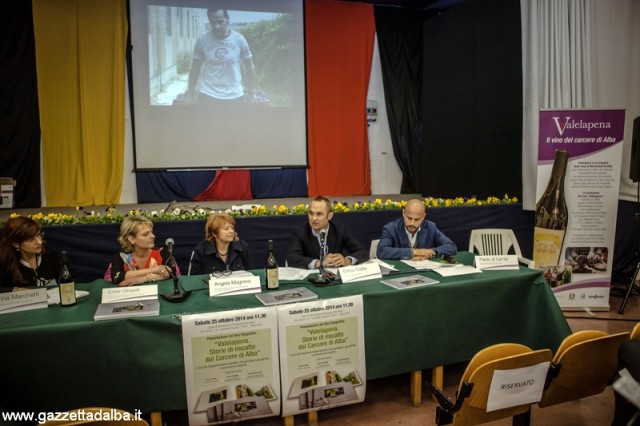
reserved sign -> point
(364, 271)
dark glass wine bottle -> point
(66, 283)
(271, 269)
(551, 215)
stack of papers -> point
(127, 302)
(142, 308)
(442, 269)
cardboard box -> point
(7, 186)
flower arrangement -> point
(194, 213)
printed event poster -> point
(231, 365)
(322, 358)
(582, 276)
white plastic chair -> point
(373, 249)
(494, 241)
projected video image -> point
(201, 58)
(218, 84)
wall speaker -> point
(634, 167)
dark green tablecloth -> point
(59, 358)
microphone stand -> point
(177, 295)
(324, 277)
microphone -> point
(177, 295)
(169, 244)
(322, 236)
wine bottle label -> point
(67, 293)
(272, 278)
(547, 246)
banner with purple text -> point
(579, 160)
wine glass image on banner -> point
(557, 275)
(587, 260)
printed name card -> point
(498, 262)
(23, 300)
(361, 272)
(230, 285)
(123, 294)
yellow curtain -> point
(80, 57)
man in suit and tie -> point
(413, 237)
(341, 247)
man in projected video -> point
(222, 70)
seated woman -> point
(138, 262)
(221, 250)
(24, 259)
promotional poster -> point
(579, 161)
(231, 365)
(322, 354)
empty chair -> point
(494, 241)
(470, 407)
(584, 365)
(89, 416)
(373, 249)
(635, 333)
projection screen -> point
(231, 117)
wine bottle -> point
(271, 269)
(66, 283)
(551, 215)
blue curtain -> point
(155, 187)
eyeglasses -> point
(39, 236)
(218, 274)
(219, 21)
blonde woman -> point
(221, 251)
(139, 262)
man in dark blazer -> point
(413, 237)
(341, 247)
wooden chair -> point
(88, 416)
(584, 365)
(635, 333)
(496, 241)
(470, 407)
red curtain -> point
(339, 42)
(228, 185)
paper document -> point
(53, 295)
(385, 267)
(429, 264)
(458, 270)
(294, 274)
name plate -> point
(23, 300)
(364, 271)
(124, 294)
(498, 262)
(230, 286)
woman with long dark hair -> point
(24, 259)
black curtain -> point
(19, 116)
(472, 95)
(399, 34)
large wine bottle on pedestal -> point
(551, 215)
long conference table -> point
(57, 358)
